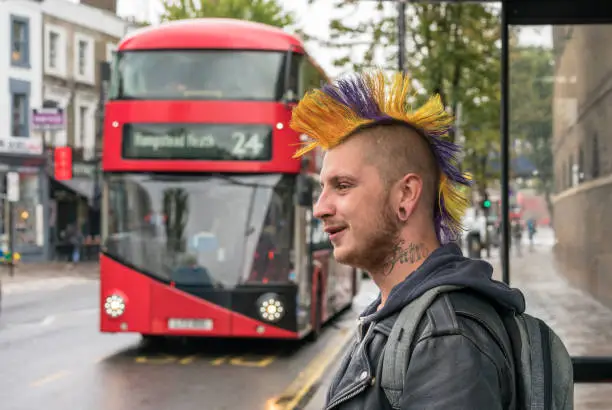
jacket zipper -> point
(347, 396)
(363, 384)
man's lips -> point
(335, 232)
(330, 230)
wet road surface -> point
(52, 356)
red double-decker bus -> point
(206, 219)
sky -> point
(314, 19)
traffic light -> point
(485, 204)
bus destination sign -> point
(210, 142)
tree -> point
(452, 49)
(531, 103)
(263, 11)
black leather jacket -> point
(456, 363)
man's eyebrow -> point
(337, 178)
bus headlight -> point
(114, 306)
(270, 307)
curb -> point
(299, 394)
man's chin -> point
(345, 255)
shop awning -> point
(80, 186)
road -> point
(53, 357)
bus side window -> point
(302, 86)
(294, 74)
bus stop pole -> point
(11, 244)
(401, 35)
(505, 147)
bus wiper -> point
(223, 177)
(235, 181)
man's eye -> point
(343, 186)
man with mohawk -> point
(392, 200)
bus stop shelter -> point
(579, 26)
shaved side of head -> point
(397, 150)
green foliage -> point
(262, 11)
(451, 49)
(531, 102)
(531, 105)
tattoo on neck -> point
(405, 253)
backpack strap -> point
(398, 348)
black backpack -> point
(543, 365)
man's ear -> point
(409, 193)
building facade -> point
(51, 58)
(20, 145)
(76, 39)
(582, 120)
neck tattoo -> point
(405, 253)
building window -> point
(82, 124)
(20, 41)
(20, 107)
(19, 111)
(82, 57)
(55, 57)
(53, 49)
(595, 160)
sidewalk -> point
(583, 324)
(29, 272)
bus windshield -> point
(198, 75)
(203, 230)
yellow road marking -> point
(219, 361)
(231, 360)
(155, 360)
(50, 378)
(291, 397)
(187, 360)
(239, 361)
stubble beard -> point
(374, 250)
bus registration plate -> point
(197, 324)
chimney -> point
(108, 5)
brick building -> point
(582, 124)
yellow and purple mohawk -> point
(333, 113)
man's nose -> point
(323, 208)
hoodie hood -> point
(447, 266)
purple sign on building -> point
(48, 118)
